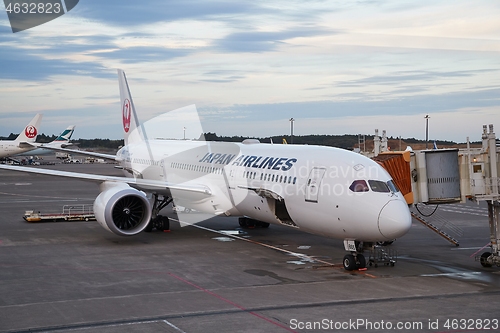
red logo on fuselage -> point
(30, 131)
(126, 115)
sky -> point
(336, 67)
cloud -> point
(412, 77)
(410, 105)
(132, 13)
(20, 64)
(263, 41)
(141, 54)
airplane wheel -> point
(246, 223)
(243, 222)
(362, 261)
(165, 222)
(158, 223)
(349, 262)
(483, 261)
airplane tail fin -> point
(30, 132)
(65, 136)
(132, 129)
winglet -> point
(30, 132)
(132, 130)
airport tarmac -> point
(215, 277)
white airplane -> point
(321, 190)
(25, 140)
(62, 141)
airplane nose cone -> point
(394, 220)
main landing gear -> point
(356, 259)
(248, 223)
(159, 222)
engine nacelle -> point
(122, 209)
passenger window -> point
(359, 186)
(379, 186)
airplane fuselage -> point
(10, 148)
(311, 188)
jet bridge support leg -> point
(489, 259)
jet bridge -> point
(443, 176)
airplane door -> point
(313, 184)
(163, 167)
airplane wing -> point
(80, 152)
(140, 184)
(25, 144)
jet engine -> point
(122, 209)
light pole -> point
(291, 130)
(426, 130)
(184, 133)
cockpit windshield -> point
(359, 186)
(375, 185)
(393, 186)
(379, 186)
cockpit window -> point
(379, 186)
(393, 186)
(359, 186)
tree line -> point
(82, 143)
(346, 141)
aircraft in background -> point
(321, 190)
(62, 141)
(25, 141)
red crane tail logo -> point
(126, 115)
(30, 131)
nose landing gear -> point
(356, 259)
